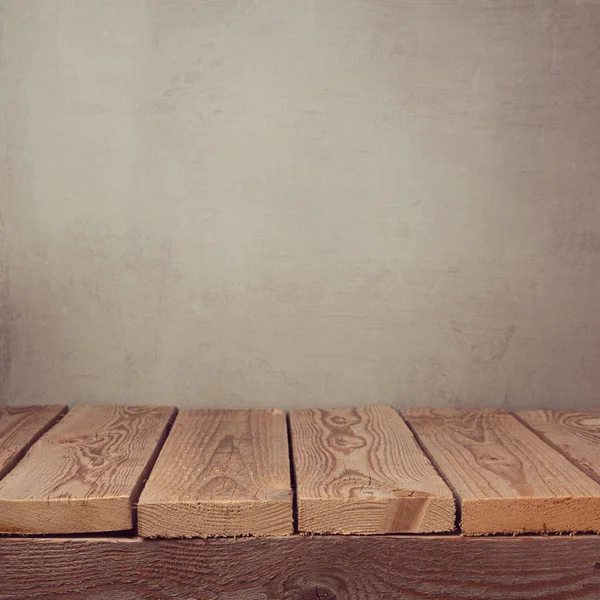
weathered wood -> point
(507, 479)
(576, 433)
(296, 568)
(360, 470)
(20, 427)
(82, 475)
(220, 473)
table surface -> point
(159, 473)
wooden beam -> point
(506, 478)
(360, 470)
(20, 427)
(221, 473)
(300, 568)
(82, 475)
(576, 433)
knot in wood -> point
(316, 592)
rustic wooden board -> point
(576, 433)
(360, 470)
(506, 478)
(220, 473)
(82, 475)
(20, 427)
(297, 568)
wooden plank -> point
(576, 433)
(20, 427)
(82, 475)
(301, 568)
(506, 478)
(360, 470)
(220, 473)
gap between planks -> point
(573, 433)
(21, 427)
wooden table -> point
(87, 489)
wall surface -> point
(293, 203)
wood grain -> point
(360, 470)
(506, 478)
(297, 568)
(576, 433)
(20, 427)
(220, 473)
(82, 475)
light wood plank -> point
(507, 479)
(576, 433)
(82, 475)
(220, 473)
(20, 427)
(360, 470)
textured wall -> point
(282, 202)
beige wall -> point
(283, 202)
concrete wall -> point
(282, 202)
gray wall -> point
(316, 202)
